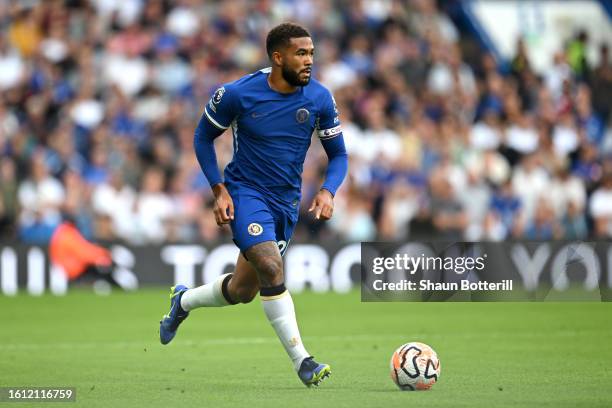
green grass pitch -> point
(492, 354)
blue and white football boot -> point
(170, 322)
(312, 373)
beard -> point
(293, 78)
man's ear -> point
(277, 58)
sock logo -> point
(294, 341)
(255, 229)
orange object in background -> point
(70, 250)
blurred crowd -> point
(99, 100)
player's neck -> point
(277, 83)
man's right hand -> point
(224, 205)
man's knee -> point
(268, 263)
(270, 266)
(245, 294)
(270, 271)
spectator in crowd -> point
(40, 197)
(601, 84)
(600, 208)
(8, 196)
(506, 217)
(544, 226)
(154, 207)
(448, 214)
(115, 200)
(574, 223)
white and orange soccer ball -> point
(415, 366)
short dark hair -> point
(281, 35)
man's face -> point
(297, 61)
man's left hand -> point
(323, 205)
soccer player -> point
(273, 114)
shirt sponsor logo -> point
(255, 229)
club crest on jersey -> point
(255, 229)
(302, 115)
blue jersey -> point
(272, 131)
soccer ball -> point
(415, 366)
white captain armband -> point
(329, 133)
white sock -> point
(281, 314)
(209, 295)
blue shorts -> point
(258, 218)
